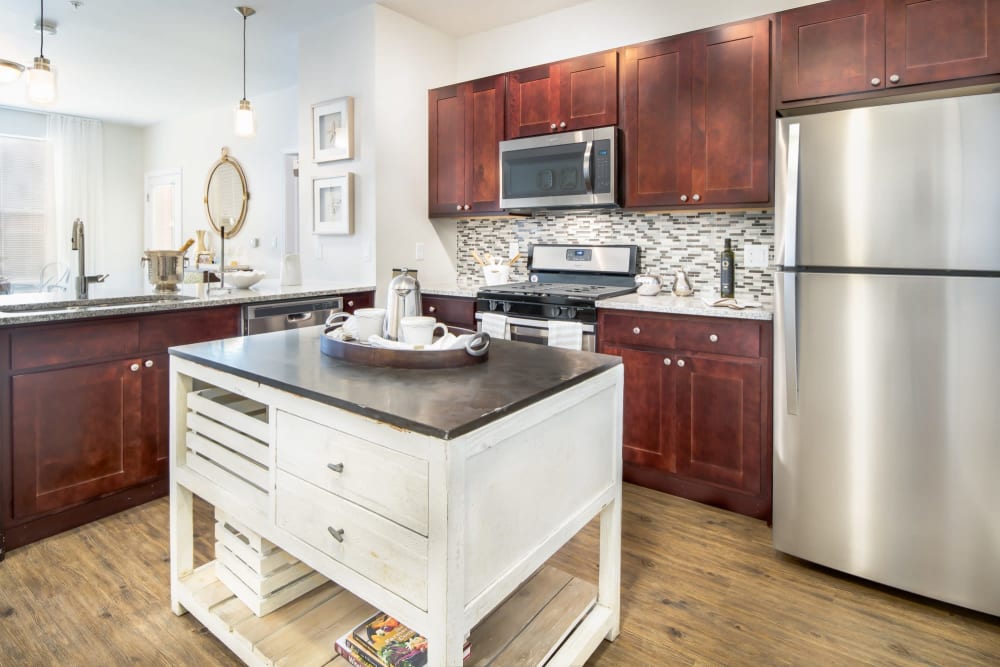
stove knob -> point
(570, 313)
(493, 304)
(506, 307)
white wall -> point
(194, 143)
(595, 26)
(409, 58)
(336, 59)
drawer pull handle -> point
(666, 361)
(431, 309)
(148, 363)
(714, 338)
(336, 534)
(134, 367)
(680, 363)
(636, 331)
(335, 467)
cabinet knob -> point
(351, 303)
(134, 367)
(876, 81)
(562, 124)
(695, 197)
(684, 197)
(431, 309)
(636, 331)
(336, 534)
(713, 338)
(894, 78)
(335, 467)
(552, 126)
(666, 361)
(680, 363)
(465, 208)
(148, 363)
(458, 207)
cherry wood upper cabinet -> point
(937, 40)
(465, 130)
(731, 114)
(572, 94)
(855, 46)
(696, 114)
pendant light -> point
(10, 71)
(246, 125)
(41, 78)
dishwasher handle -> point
(297, 318)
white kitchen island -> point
(435, 496)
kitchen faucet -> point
(82, 279)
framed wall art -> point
(333, 130)
(333, 205)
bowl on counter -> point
(244, 279)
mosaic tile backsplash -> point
(668, 241)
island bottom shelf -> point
(526, 629)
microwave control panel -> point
(602, 165)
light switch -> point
(755, 256)
(418, 251)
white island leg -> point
(181, 500)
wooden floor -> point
(699, 586)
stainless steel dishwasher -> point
(289, 314)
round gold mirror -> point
(226, 195)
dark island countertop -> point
(444, 403)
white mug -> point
(364, 323)
(419, 330)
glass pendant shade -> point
(41, 82)
(246, 123)
(10, 71)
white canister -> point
(496, 274)
(648, 284)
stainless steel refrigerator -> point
(887, 345)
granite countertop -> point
(665, 302)
(451, 289)
(194, 296)
(443, 403)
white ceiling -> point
(141, 61)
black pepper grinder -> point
(727, 271)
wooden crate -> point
(227, 442)
(263, 576)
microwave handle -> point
(586, 166)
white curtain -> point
(78, 180)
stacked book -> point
(382, 641)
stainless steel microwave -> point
(567, 170)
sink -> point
(88, 304)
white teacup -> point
(419, 330)
(364, 323)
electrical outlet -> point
(418, 251)
(317, 250)
(755, 256)
(274, 241)
(254, 243)
(513, 249)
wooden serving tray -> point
(361, 353)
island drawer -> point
(378, 549)
(382, 480)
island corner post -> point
(434, 523)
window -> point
(25, 205)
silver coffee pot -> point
(403, 300)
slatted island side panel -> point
(271, 595)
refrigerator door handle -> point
(791, 342)
(791, 203)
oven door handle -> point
(536, 324)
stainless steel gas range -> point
(565, 283)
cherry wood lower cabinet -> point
(88, 401)
(355, 300)
(455, 311)
(697, 420)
